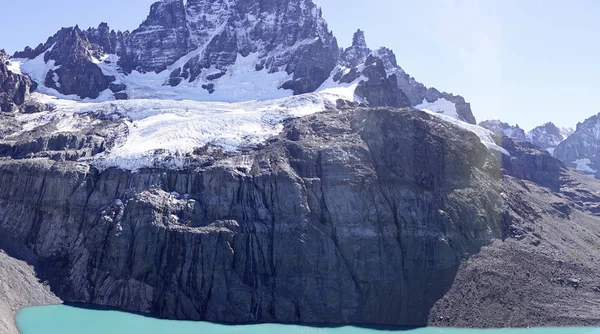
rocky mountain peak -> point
(231, 50)
(389, 59)
(358, 52)
(581, 149)
(358, 40)
(548, 136)
(167, 13)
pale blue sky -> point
(522, 61)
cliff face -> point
(14, 87)
(351, 217)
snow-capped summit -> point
(257, 49)
(548, 136)
(582, 148)
(500, 128)
(225, 50)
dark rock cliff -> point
(14, 87)
(370, 216)
(352, 217)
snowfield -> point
(162, 132)
(174, 128)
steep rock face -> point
(580, 150)
(266, 236)
(14, 87)
(504, 129)
(72, 61)
(163, 36)
(379, 89)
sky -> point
(525, 62)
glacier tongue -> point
(163, 132)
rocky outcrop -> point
(14, 87)
(266, 236)
(416, 92)
(73, 60)
(381, 82)
(379, 89)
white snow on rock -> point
(241, 82)
(486, 136)
(14, 66)
(166, 130)
(346, 91)
(440, 106)
(583, 165)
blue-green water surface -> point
(61, 319)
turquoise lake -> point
(61, 319)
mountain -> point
(225, 50)
(580, 150)
(228, 162)
(262, 234)
(549, 136)
(504, 129)
(546, 136)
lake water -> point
(61, 319)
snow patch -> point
(14, 66)
(486, 136)
(583, 165)
(346, 91)
(440, 106)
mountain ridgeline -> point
(334, 188)
(197, 48)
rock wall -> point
(14, 87)
(359, 216)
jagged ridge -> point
(225, 50)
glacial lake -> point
(61, 319)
